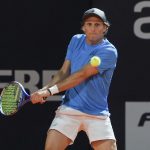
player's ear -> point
(105, 30)
(83, 29)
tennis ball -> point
(95, 61)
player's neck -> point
(94, 42)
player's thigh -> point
(56, 140)
(104, 145)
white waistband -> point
(70, 111)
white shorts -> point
(69, 122)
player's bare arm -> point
(37, 97)
(77, 77)
(68, 82)
(60, 75)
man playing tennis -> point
(85, 105)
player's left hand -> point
(39, 96)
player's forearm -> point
(72, 81)
(59, 76)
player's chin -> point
(95, 38)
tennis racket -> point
(13, 97)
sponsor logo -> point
(137, 125)
(139, 24)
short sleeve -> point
(108, 59)
(75, 42)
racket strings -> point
(10, 98)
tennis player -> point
(85, 104)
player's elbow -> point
(89, 71)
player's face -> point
(94, 28)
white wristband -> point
(54, 89)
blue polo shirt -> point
(91, 95)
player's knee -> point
(51, 146)
(105, 145)
(48, 146)
(55, 147)
(113, 145)
(55, 144)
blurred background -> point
(34, 36)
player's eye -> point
(88, 24)
(97, 24)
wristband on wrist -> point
(53, 90)
(49, 91)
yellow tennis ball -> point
(95, 61)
